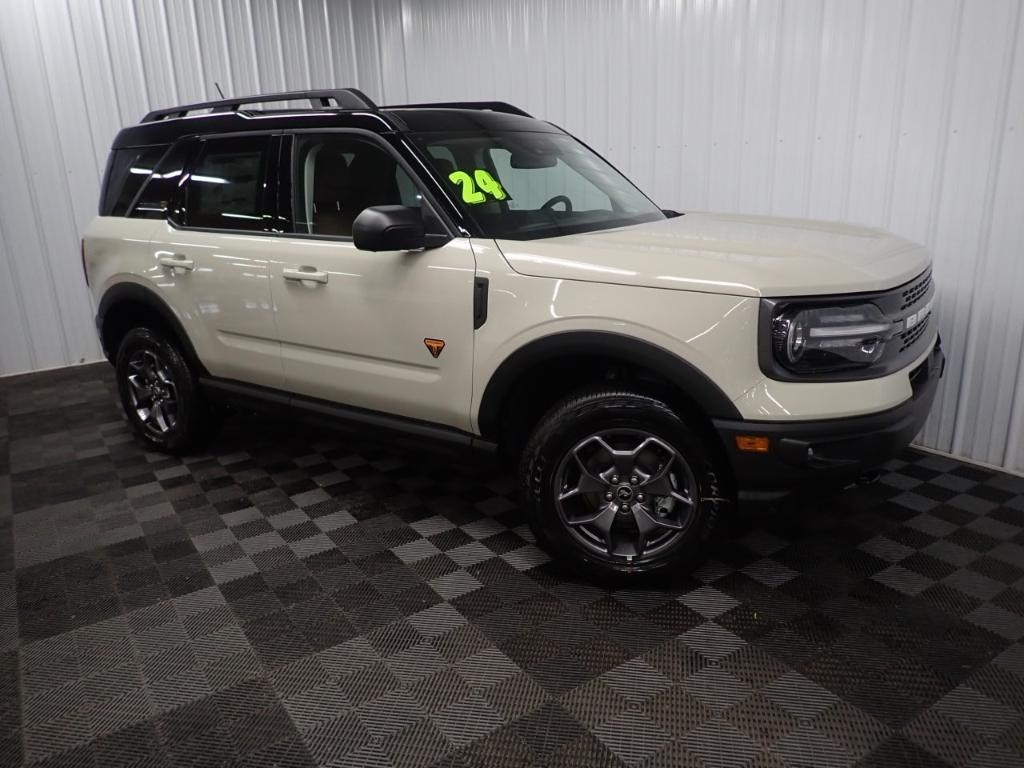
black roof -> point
(354, 110)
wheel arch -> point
(128, 305)
(691, 385)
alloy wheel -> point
(625, 494)
(152, 392)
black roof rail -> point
(493, 106)
(343, 98)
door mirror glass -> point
(389, 228)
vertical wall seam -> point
(330, 45)
(33, 193)
(109, 57)
(380, 56)
(984, 232)
(66, 192)
(280, 44)
(776, 90)
(352, 48)
(1013, 445)
(405, 57)
(944, 126)
(12, 268)
(851, 112)
(203, 80)
(172, 67)
(85, 100)
(305, 44)
(742, 111)
(896, 121)
(941, 154)
(710, 31)
(227, 48)
(813, 113)
(138, 53)
(257, 75)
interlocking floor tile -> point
(298, 598)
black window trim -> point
(287, 158)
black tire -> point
(190, 424)
(565, 438)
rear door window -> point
(224, 187)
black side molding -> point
(480, 286)
(327, 413)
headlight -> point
(826, 339)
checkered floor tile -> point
(292, 598)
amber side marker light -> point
(752, 443)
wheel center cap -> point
(624, 493)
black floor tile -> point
(290, 598)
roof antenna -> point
(217, 86)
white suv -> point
(463, 271)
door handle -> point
(304, 274)
(177, 261)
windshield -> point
(523, 185)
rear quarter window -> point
(127, 169)
(155, 198)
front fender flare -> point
(707, 395)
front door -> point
(385, 331)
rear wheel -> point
(160, 393)
(619, 485)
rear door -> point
(211, 258)
(385, 331)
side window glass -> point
(224, 187)
(129, 169)
(336, 177)
(155, 198)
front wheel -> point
(617, 484)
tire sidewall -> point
(183, 434)
(565, 429)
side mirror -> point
(389, 228)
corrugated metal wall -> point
(906, 114)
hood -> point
(728, 254)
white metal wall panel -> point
(905, 114)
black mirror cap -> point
(389, 228)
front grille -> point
(913, 293)
(907, 338)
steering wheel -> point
(549, 205)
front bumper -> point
(828, 451)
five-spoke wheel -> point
(617, 483)
(160, 392)
(152, 391)
(625, 493)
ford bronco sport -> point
(467, 272)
